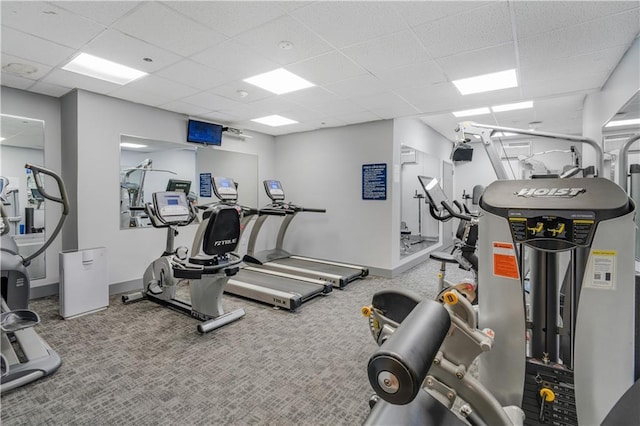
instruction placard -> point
(205, 184)
(374, 181)
(600, 270)
(505, 263)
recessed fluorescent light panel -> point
(470, 112)
(274, 120)
(512, 107)
(132, 145)
(279, 81)
(487, 82)
(618, 123)
(103, 69)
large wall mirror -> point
(418, 230)
(150, 165)
(23, 142)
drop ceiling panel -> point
(184, 108)
(47, 89)
(362, 85)
(105, 13)
(419, 12)
(72, 80)
(535, 17)
(327, 68)
(432, 98)
(391, 51)
(150, 22)
(346, 23)
(235, 59)
(26, 69)
(195, 75)
(230, 90)
(415, 74)
(228, 17)
(24, 45)
(210, 101)
(312, 97)
(580, 39)
(170, 90)
(566, 84)
(482, 61)
(267, 37)
(118, 47)
(145, 97)
(386, 105)
(49, 22)
(15, 81)
(359, 117)
(482, 27)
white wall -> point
(100, 121)
(40, 107)
(601, 106)
(323, 169)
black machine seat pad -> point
(222, 232)
(443, 257)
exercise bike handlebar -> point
(399, 366)
(62, 199)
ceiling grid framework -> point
(369, 60)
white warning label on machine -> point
(600, 270)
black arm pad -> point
(408, 353)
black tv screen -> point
(205, 133)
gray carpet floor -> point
(147, 365)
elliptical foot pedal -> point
(19, 319)
(154, 288)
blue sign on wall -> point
(205, 184)
(374, 181)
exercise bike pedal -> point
(154, 288)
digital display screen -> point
(206, 133)
(175, 185)
(434, 191)
(173, 201)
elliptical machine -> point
(25, 357)
(207, 270)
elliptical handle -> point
(63, 199)
(399, 366)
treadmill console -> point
(171, 207)
(225, 188)
(274, 190)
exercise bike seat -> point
(423, 410)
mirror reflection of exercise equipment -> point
(630, 182)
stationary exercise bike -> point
(463, 252)
(207, 269)
(25, 357)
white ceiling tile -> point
(210, 101)
(235, 59)
(126, 50)
(482, 27)
(580, 39)
(394, 111)
(382, 100)
(420, 12)
(566, 84)
(194, 74)
(133, 94)
(601, 62)
(183, 108)
(33, 70)
(228, 17)
(72, 80)
(169, 89)
(311, 96)
(535, 17)
(336, 107)
(273, 105)
(16, 82)
(346, 23)
(361, 85)
(103, 12)
(359, 117)
(267, 37)
(303, 115)
(49, 89)
(150, 22)
(49, 22)
(327, 68)
(25, 45)
(432, 97)
(230, 90)
(218, 117)
(481, 61)
(420, 73)
(390, 51)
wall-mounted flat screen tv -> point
(204, 133)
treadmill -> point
(276, 288)
(278, 259)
